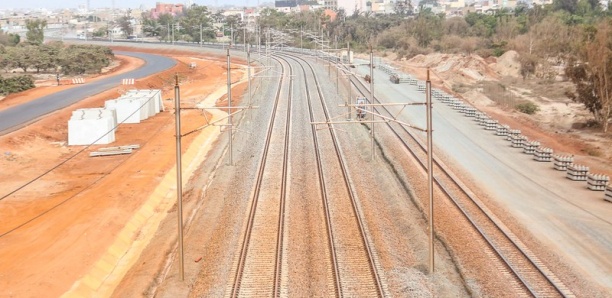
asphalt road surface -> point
(18, 116)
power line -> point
(73, 156)
(63, 162)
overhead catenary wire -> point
(57, 166)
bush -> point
(528, 108)
(15, 84)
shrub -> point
(528, 108)
(15, 84)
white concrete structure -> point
(92, 126)
(128, 110)
(136, 105)
(153, 94)
(98, 125)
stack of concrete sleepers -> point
(530, 147)
(597, 182)
(577, 172)
(502, 130)
(561, 162)
(543, 154)
(92, 126)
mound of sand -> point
(456, 68)
(508, 64)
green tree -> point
(81, 59)
(194, 17)
(566, 5)
(125, 23)
(591, 73)
(20, 57)
(271, 18)
(9, 39)
(165, 22)
(36, 30)
(15, 84)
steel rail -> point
(324, 197)
(251, 218)
(517, 272)
(345, 176)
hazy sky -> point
(55, 4)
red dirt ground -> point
(55, 228)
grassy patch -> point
(527, 107)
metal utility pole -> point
(201, 35)
(179, 179)
(244, 38)
(231, 34)
(229, 105)
(301, 33)
(430, 171)
(249, 72)
(372, 100)
(172, 34)
(268, 45)
(350, 98)
(338, 63)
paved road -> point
(23, 114)
(564, 214)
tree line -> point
(573, 35)
(32, 55)
(55, 57)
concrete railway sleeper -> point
(357, 269)
(530, 273)
(257, 269)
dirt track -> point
(63, 223)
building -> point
(163, 8)
(380, 6)
(329, 4)
(286, 6)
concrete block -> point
(91, 126)
(127, 110)
(577, 172)
(597, 182)
(543, 154)
(562, 162)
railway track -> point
(259, 261)
(530, 274)
(354, 264)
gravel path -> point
(560, 220)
